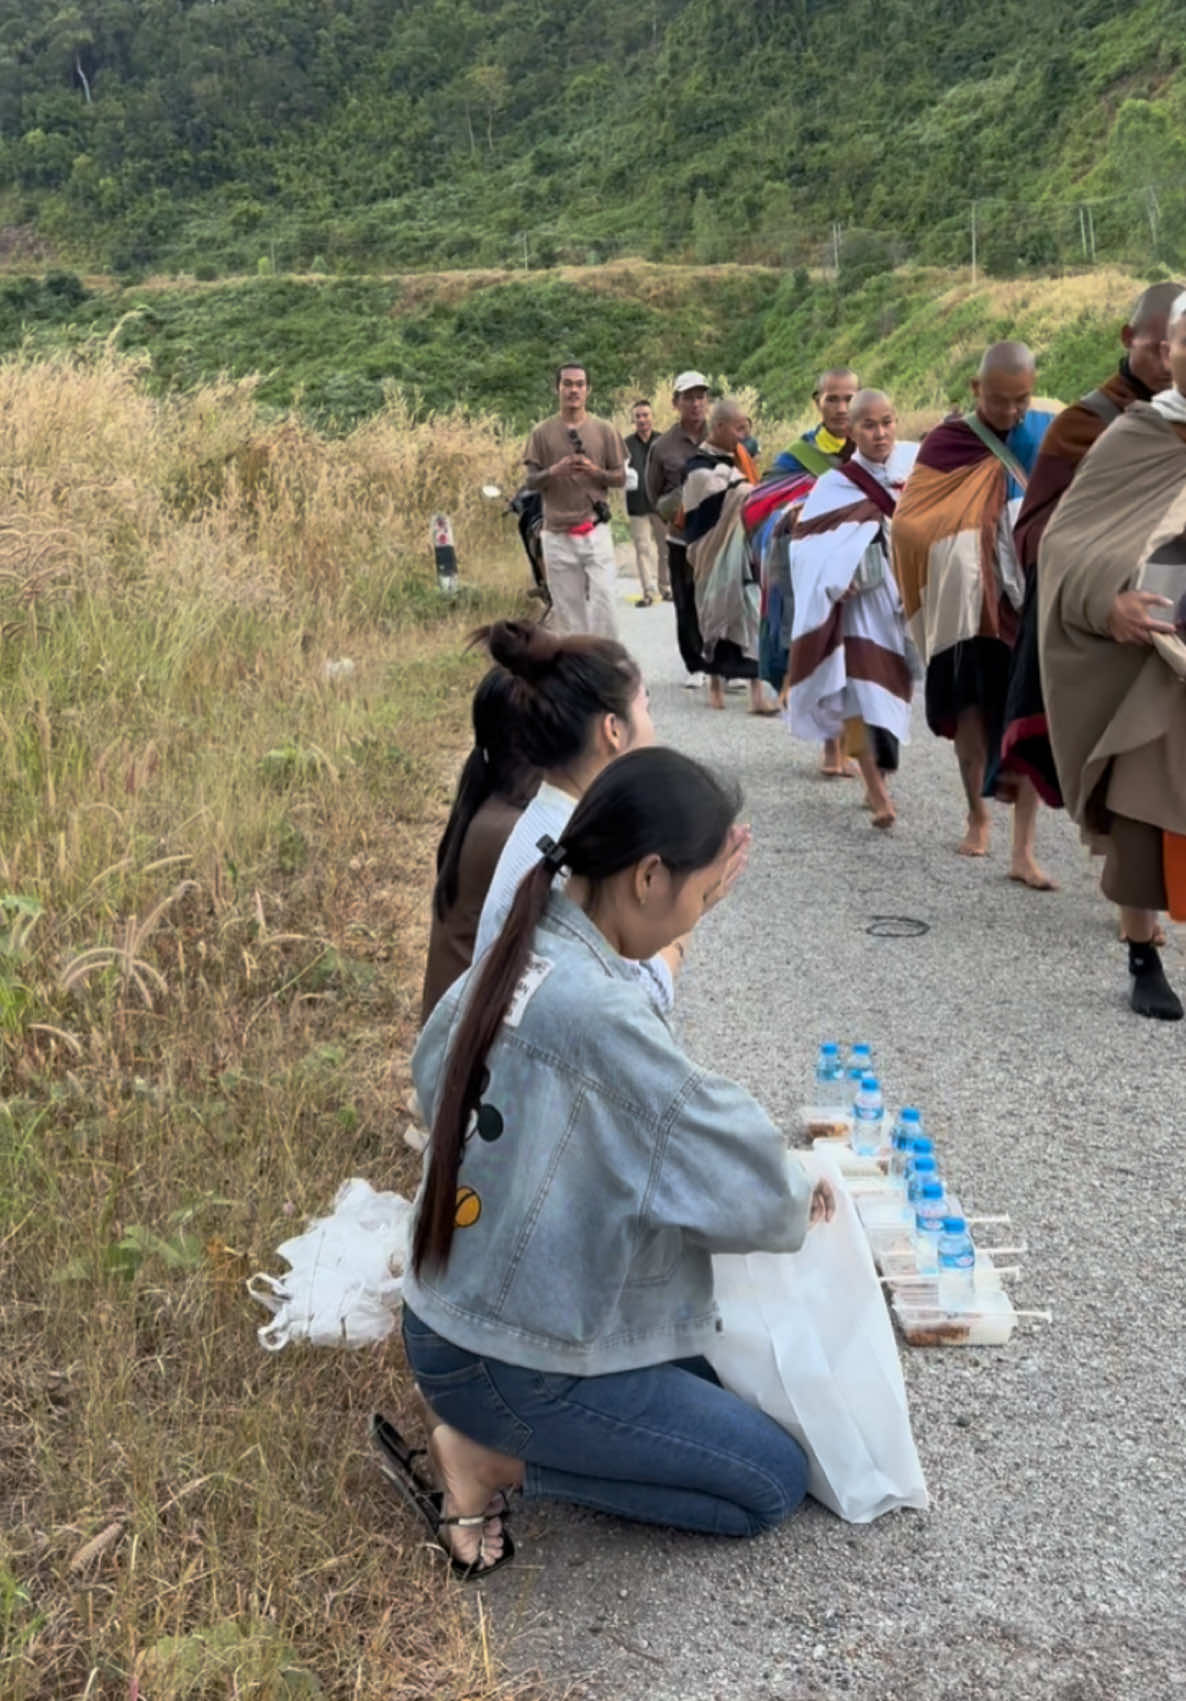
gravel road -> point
(1053, 1560)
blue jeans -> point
(663, 1445)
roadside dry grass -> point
(214, 864)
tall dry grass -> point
(213, 867)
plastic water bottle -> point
(907, 1129)
(829, 1076)
(930, 1213)
(868, 1118)
(957, 1266)
(860, 1064)
(922, 1168)
(920, 1147)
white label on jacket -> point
(533, 977)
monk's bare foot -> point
(716, 693)
(976, 840)
(1025, 871)
(759, 703)
(884, 818)
(473, 1480)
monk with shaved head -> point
(824, 446)
(848, 661)
(963, 587)
(717, 479)
(1111, 622)
(1142, 373)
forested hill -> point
(216, 135)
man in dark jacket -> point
(648, 530)
(668, 457)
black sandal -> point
(398, 1462)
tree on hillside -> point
(488, 86)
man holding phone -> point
(574, 460)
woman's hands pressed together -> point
(733, 864)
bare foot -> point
(716, 693)
(884, 818)
(473, 1480)
(1026, 872)
(975, 840)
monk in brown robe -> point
(1111, 619)
(1025, 743)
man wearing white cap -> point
(669, 456)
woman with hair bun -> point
(496, 782)
(582, 1172)
(580, 702)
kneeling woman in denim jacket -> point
(582, 1173)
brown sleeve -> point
(535, 455)
(1067, 441)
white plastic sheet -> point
(345, 1279)
(807, 1339)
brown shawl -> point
(1117, 712)
(1069, 438)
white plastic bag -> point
(807, 1339)
(344, 1285)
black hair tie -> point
(553, 854)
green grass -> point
(337, 348)
(214, 862)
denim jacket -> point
(601, 1171)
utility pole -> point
(1091, 233)
(1083, 230)
(973, 242)
(836, 247)
(523, 234)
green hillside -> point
(162, 134)
(486, 342)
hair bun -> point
(520, 646)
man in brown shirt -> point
(573, 460)
(669, 456)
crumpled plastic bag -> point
(345, 1281)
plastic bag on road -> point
(346, 1277)
(807, 1339)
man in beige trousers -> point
(574, 460)
(648, 528)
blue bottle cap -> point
(954, 1225)
(909, 1114)
(923, 1166)
(922, 1144)
(829, 1046)
(862, 1050)
(932, 1190)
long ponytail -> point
(486, 1005)
(650, 802)
(495, 766)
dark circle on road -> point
(897, 927)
